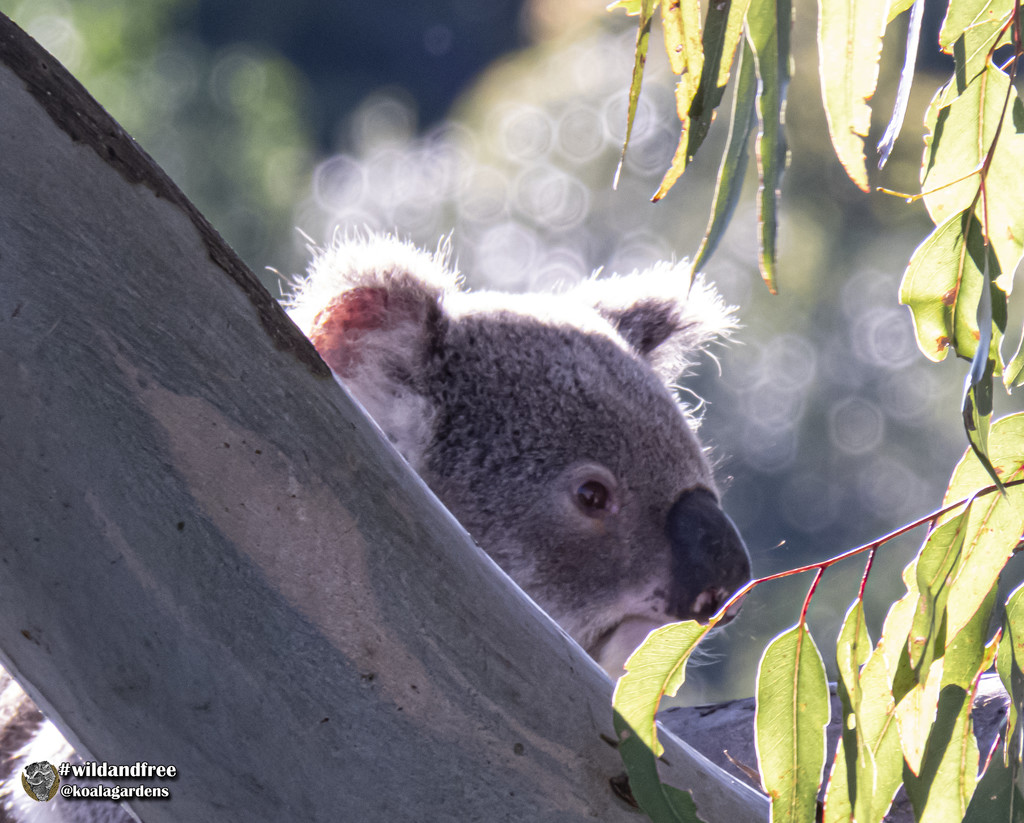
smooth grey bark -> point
(212, 559)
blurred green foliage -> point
(228, 125)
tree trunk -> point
(212, 559)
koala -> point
(547, 424)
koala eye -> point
(592, 489)
(594, 499)
(593, 496)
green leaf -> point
(899, 112)
(681, 23)
(995, 521)
(935, 565)
(967, 656)
(977, 410)
(915, 714)
(734, 160)
(893, 642)
(841, 788)
(789, 724)
(933, 797)
(879, 761)
(1013, 372)
(1010, 656)
(849, 47)
(971, 31)
(997, 799)
(698, 95)
(896, 8)
(768, 32)
(886, 677)
(853, 648)
(662, 803)
(946, 782)
(960, 129)
(962, 571)
(657, 668)
(976, 407)
(943, 285)
(643, 37)
(723, 30)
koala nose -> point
(709, 558)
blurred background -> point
(500, 123)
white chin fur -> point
(622, 642)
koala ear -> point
(373, 308)
(368, 298)
(665, 313)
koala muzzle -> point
(709, 558)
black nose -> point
(709, 558)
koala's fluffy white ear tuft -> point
(665, 313)
(361, 285)
(372, 307)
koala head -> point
(546, 424)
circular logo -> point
(40, 780)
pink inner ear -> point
(338, 327)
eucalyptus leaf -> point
(960, 129)
(729, 184)
(976, 407)
(643, 38)
(916, 716)
(879, 758)
(995, 522)
(899, 112)
(972, 30)
(723, 31)
(841, 791)
(789, 723)
(656, 669)
(896, 8)
(997, 799)
(853, 647)
(945, 784)
(768, 32)
(936, 564)
(1013, 372)
(681, 24)
(1010, 658)
(943, 285)
(660, 802)
(967, 655)
(893, 642)
(849, 47)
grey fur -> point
(506, 404)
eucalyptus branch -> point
(873, 546)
